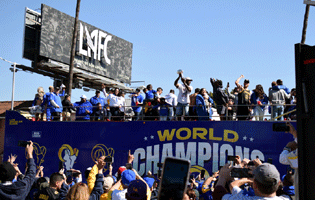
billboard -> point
(97, 51)
(205, 144)
(32, 22)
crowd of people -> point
(242, 179)
(240, 103)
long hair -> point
(260, 91)
(79, 191)
(200, 91)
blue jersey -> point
(135, 99)
(94, 101)
(81, 109)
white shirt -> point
(237, 194)
(183, 95)
(121, 102)
(171, 99)
(113, 99)
(119, 194)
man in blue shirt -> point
(84, 109)
(97, 99)
(56, 103)
(136, 101)
(47, 103)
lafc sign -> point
(94, 43)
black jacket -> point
(20, 189)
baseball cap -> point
(188, 79)
(267, 174)
(121, 169)
(7, 172)
(108, 182)
(149, 181)
(137, 190)
(127, 176)
(83, 96)
(246, 81)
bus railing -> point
(271, 112)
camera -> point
(109, 159)
(22, 143)
(241, 173)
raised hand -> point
(130, 157)
(29, 150)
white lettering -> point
(215, 157)
(144, 159)
(139, 153)
(238, 151)
(153, 158)
(258, 153)
(167, 151)
(204, 153)
(94, 43)
(81, 51)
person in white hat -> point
(84, 109)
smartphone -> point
(269, 160)
(228, 84)
(231, 158)
(128, 166)
(109, 159)
(240, 173)
(60, 165)
(174, 180)
(23, 143)
(251, 163)
(202, 174)
(191, 177)
(280, 127)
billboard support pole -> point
(73, 45)
(307, 10)
(13, 86)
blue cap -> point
(127, 176)
(137, 190)
(149, 181)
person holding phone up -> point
(289, 156)
(19, 189)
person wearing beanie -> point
(19, 189)
(137, 190)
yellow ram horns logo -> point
(101, 150)
(40, 152)
(74, 151)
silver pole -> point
(13, 85)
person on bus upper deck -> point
(243, 110)
(97, 99)
(84, 109)
(183, 99)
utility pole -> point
(73, 45)
(307, 10)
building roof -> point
(18, 105)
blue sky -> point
(205, 38)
